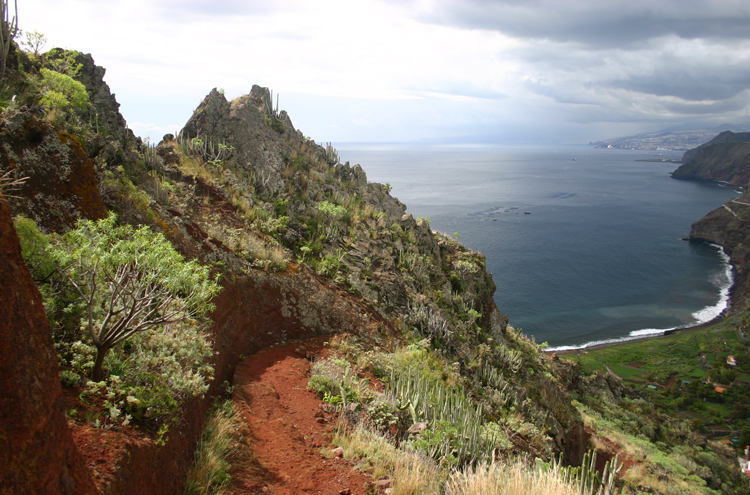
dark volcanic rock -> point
(61, 185)
(37, 453)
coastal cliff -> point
(725, 158)
(728, 226)
(302, 245)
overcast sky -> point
(393, 70)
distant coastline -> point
(667, 160)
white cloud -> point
(372, 70)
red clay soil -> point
(613, 449)
(287, 428)
(102, 449)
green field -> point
(628, 373)
(654, 360)
(676, 354)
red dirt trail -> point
(285, 439)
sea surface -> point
(585, 245)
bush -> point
(69, 378)
(155, 372)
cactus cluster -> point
(588, 479)
(208, 151)
(432, 402)
(8, 31)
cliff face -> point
(725, 158)
(37, 453)
(61, 185)
(728, 226)
(724, 137)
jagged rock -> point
(113, 143)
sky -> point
(455, 71)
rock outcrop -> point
(61, 185)
(37, 453)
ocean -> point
(585, 245)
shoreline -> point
(723, 314)
(667, 333)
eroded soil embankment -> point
(284, 428)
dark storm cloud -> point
(598, 24)
(637, 59)
(689, 70)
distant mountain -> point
(670, 139)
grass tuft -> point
(210, 471)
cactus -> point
(589, 481)
(432, 402)
(332, 156)
(8, 31)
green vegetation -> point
(424, 433)
(681, 367)
(34, 42)
(122, 300)
(672, 404)
(130, 281)
(61, 91)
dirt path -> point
(286, 430)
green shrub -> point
(61, 91)
(69, 378)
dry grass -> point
(415, 474)
(210, 471)
(412, 473)
(9, 183)
(506, 479)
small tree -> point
(130, 280)
(34, 42)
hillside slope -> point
(724, 158)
